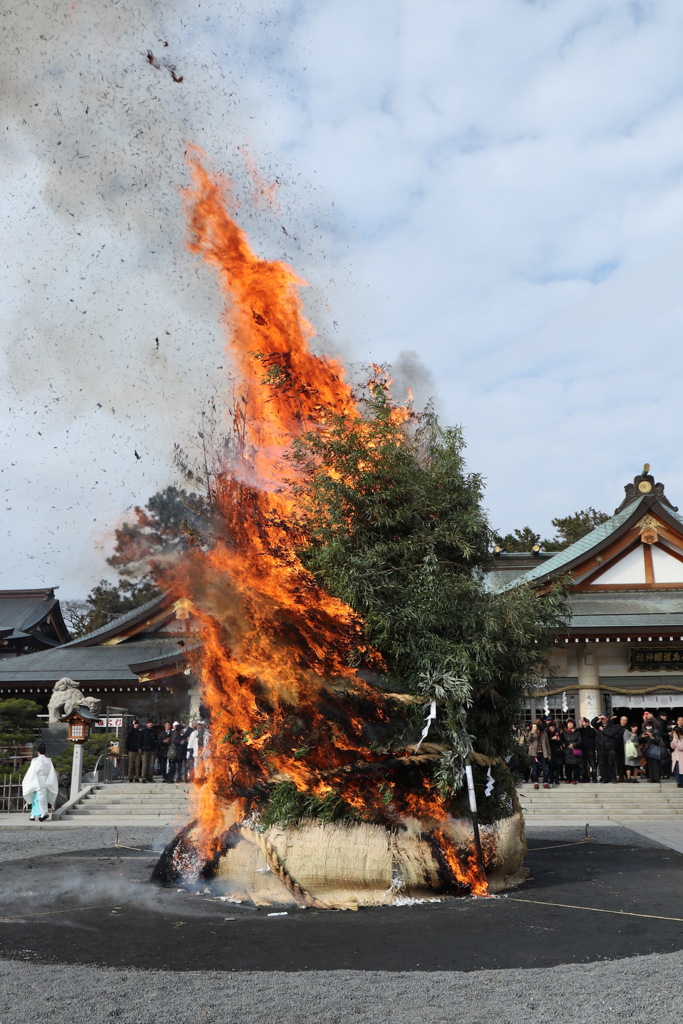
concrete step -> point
(149, 805)
(142, 790)
(559, 812)
(592, 820)
(164, 798)
(129, 812)
(613, 802)
(571, 801)
(130, 802)
(634, 795)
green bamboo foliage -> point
(397, 530)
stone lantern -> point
(80, 722)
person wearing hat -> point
(649, 719)
(174, 749)
(162, 750)
(40, 785)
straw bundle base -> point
(346, 866)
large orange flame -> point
(275, 649)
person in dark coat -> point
(185, 733)
(134, 750)
(148, 743)
(606, 735)
(649, 719)
(556, 761)
(665, 736)
(571, 738)
(625, 733)
(175, 765)
(654, 750)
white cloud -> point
(495, 186)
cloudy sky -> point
(486, 193)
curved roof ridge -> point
(581, 546)
(123, 620)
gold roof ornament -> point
(644, 486)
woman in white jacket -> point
(40, 785)
(677, 755)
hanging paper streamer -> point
(428, 721)
(565, 706)
(489, 783)
(546, 706)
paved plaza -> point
(77, 910)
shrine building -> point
(136, 663)
(621, 650)
(30, 620)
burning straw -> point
(295, 730)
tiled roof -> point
(105, 664)
(25, 610)
(582, 546)
(116, 625)
(636, 623)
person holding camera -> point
(654, 750)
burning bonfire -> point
(315, 790)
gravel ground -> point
(621, 988)
(575, 994)
(16, 844)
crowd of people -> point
(603, 750)
(173, 753)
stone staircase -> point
(591, 803)
(129, 803)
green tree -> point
(93, 748)
(519, 540)
(397, 530)
(568, 529)
(172, 521)
(105, 602)
(19, 725)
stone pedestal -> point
(76, 771)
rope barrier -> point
(648, 691)
(69, 910)
(560, 846)
(595, 910)
(120, 846)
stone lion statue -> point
(66, 697)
